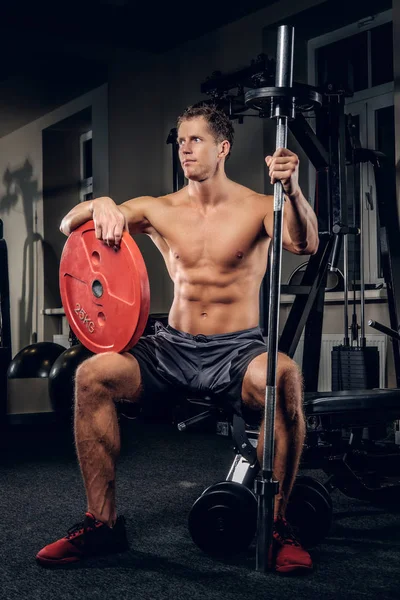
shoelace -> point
(77, 528)
(284, 533)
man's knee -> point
(289, 382)
(94, 371)
(117, 374)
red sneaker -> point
(288, 553)
(89, 538)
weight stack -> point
(355, 368)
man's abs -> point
(210, 318)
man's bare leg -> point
(289, 420)
(100, 382)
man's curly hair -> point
(218, 121)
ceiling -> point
(34, 32)
(151, 26)
(95, 28)
(54, 51)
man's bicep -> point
(269, 228)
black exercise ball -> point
(61, 379)
(35, 360)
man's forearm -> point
(302, 223)
(81, 213)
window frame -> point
(374, 98)
(86, 183)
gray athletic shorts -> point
(175, 365)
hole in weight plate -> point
(97, 288)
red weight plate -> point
(105, 293)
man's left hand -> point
(284, 166)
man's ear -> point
(224, 148)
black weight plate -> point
(306, 97)
(310, 512)
(231, 485)
(223, 520)
(317, 485)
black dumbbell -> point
(310, 510)
(223, 520)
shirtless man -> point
(214, 236)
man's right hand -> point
(109, 221)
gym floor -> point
(160, 474)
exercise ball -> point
(61, 379)
(35, 360)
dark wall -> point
(44, 83)
(61, 187)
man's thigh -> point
(160, 390)
(231, 369)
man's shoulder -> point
(147, 201)
(246, 193)
(151, 205)
(173, 198)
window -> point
(86, 191)
(360, 57)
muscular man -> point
(214, 236)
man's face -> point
(198, 150)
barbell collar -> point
(266, 486)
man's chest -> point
(222, 239)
